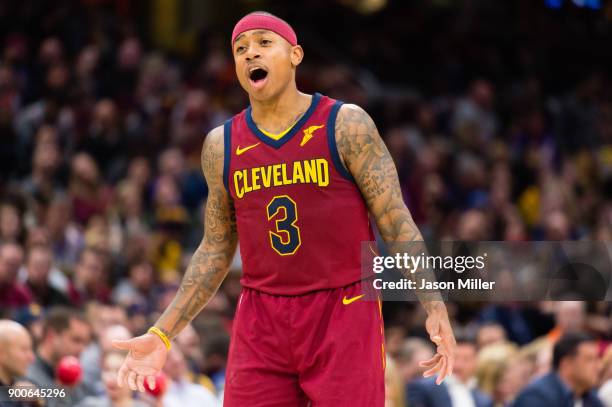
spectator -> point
(410, 353)
(490, 333)
(92, 357)
(137, 288)
(38, 280)
(90, 277)
(575, 374)
(181, 392)
(12, 293)
(458, 390)
(16, 354)
(114, 396)
(65, 333)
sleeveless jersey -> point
(300, 216)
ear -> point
(297, 54)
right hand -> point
(146, 357)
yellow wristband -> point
(162, 336)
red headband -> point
(266, 22)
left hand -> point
(441, 333)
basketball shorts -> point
(321, 349)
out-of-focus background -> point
(498, 115)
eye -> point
(240, 49)
(265, 42)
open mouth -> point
(258, 77)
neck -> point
(279, 112)
(574, 387)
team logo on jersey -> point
(308, 134)
(245, 149)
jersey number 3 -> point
(285, 239)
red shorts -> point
(325, 348)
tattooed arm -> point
(207, 269)
(366, 157)
(210, 262)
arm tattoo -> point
(210, 262)
(368, 160)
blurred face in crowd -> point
(11, 259)
(10, 224)
(39, 265)
(110, 369)
(141, 276)
(16, 353)
(71, 341)
(515, 377)
(490, 334)
(582, 369)
(570, 316)
(265, 63)
(175, 366)
(102, 317)
(465, 361)
(90, 268)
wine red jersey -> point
(300, 216)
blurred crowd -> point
(499, 132)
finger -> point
(442, 372)
(430, 362)
(151, 382)
(123, 345)
(434, 369)
(451, 365)
(140, 382)
(121, 376)
(132, 380)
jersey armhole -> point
(331, 142)
(227, 152)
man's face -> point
(585, 365)
(39, 265)
(73, 340)
(90, 268)
(17, 355)
(11, 258)
(265, 62)
(465, 361)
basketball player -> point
(294, 175)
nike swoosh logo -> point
(347, 301)
(245, 149)
(308, 134)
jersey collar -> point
(296, 127)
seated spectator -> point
(502, 372)
(114, 396)
(575, 374)
(91, 358)
(38, 280)
(458, 390)
(90, 276)
(410, 353)
(182, 392)
(16, 356)
(12, 293)
(65, 333)
(490, 333)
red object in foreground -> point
(160, 385)
(68, 371)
